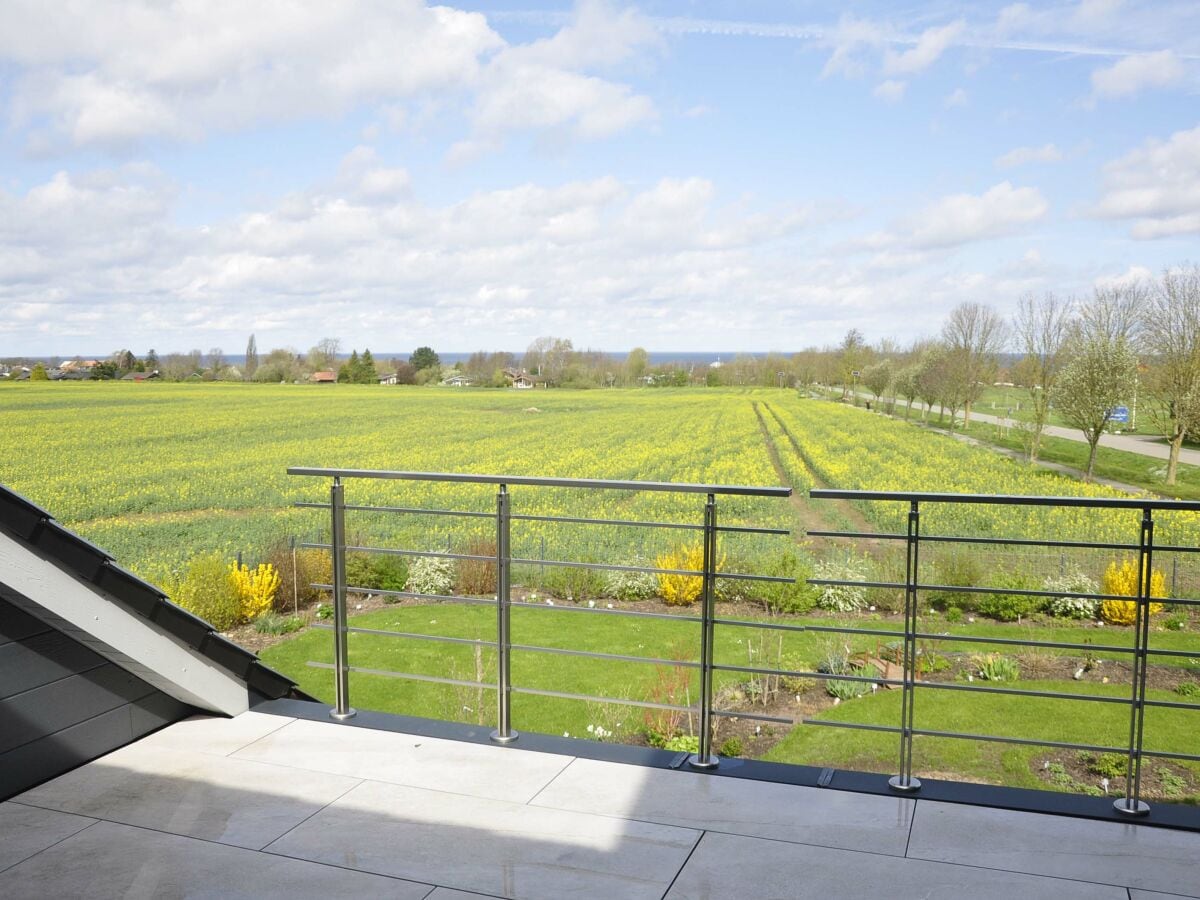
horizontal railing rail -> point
(902, 644)
(504, 561)
(1137, 652)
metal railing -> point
(914, 585)
(504, 561)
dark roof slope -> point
(29, 523)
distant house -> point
(139, 376)
(458, 381)
(65, 374)
(389, 378)
(523, 382)
(325, 377)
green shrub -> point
(631, 585)
(837, 597)
(837, 662)
(273, 623)
(684, 743)
(574, 584)
(207, 591)
(1009, 607)
(957, 568)
(1073, 582)
(430, 575)
(1176, 622)
(732, 746)
(376, 571)
(1108, 765)
(1188, 689)
(797, 596)
(997, 667)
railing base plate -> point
(896, 783)
(707, 762)
(350, 713)
(1141, 809)
(499, 738)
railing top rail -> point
(531, 481)
(1008, 499)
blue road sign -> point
(1119, 414)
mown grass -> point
(596, 631)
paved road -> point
(1133, 443)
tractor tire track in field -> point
(810, 513)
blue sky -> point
(681, 176)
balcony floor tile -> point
(1127, 854)
(783, 812)
(482, 771)
(233, 801)
(26, 830)
(209, 734)
(510, 849)
(752, 868)
(120, 861)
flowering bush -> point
(255, 588)
(631, 585)
(430, 575)
(682, 590)
(1074, 582)
(839, 597)
(1123, 579)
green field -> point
(160, 473)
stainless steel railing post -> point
(337, 505)
(705, 758)
(503, 733)
(1132, 804)
(904, 781)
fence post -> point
(337, 505)
(1132, 804)
(904, 781)
(503, 733)
(705, 758)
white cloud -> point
(1157, 185)
(890, 91)
(133, 70)
(955, 99)
(959, 219)
(1134, 74)
(1019, 156)
(850, 39)
(930, 45)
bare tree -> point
(324, 355)
(974, 334)
(852, 356)
(1170, 336)
(1042, 326)
(1115, 314)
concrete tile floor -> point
(265, 806)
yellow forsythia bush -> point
(1123, 580)
(255, 588)
(682, 590)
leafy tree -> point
(105, 371)
(906, 385)
(1043, 325)
(424, 358)
(1170, 332)
(39, 373)
(877, 378)
(151, 361)
(216, 360)
(852, 356)
(251, 357)
(1100, 376)
(636, 364)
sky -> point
(734, 176)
